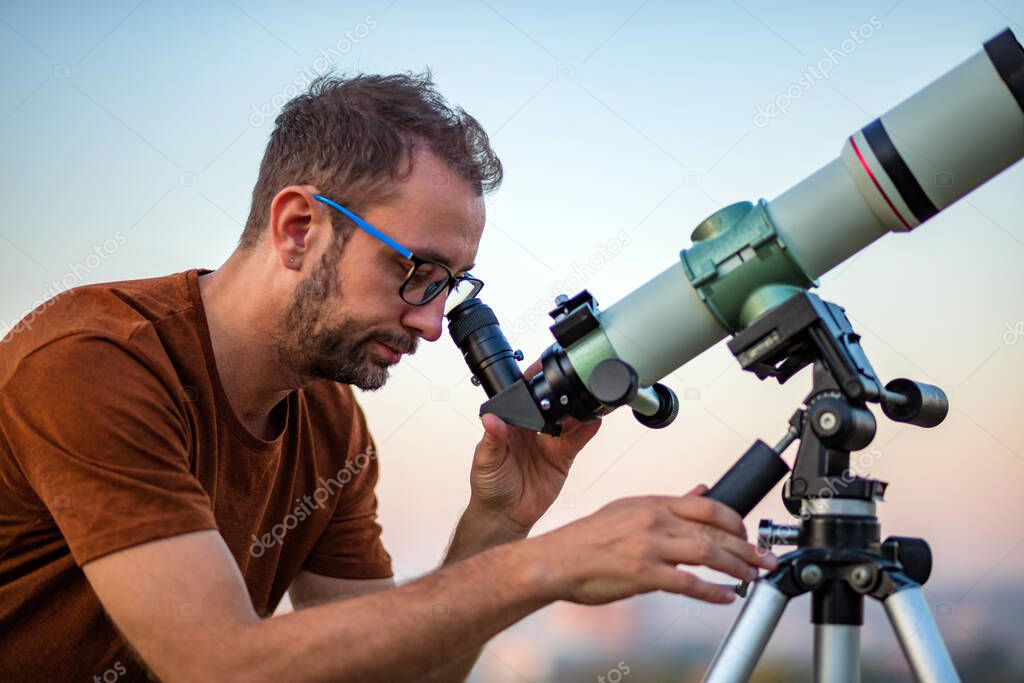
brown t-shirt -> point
(115, 430)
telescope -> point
(747, 274)
(746, 259)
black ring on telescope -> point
(1007, 56)
(898, 171)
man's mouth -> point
(390, 354)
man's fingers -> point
(581, 434)
(698, 490)
(749, 554)
(683, 582)
(575, 434)
(706, 553)
(569, 425)
(704, 509)
(725, 540)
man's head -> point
(390, 149)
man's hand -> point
(634, 545)
(517, 473)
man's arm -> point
(184, 607)
(310, 589)
(475, 533)
(182, 603)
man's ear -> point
(297, 224)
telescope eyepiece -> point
(475, 330)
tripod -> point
(839, 556)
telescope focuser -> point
(581, 375)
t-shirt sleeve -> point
(93, 425)
(350, 547)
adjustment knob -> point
(668, 409)
(913, 553)
(614, 382)
(922, 405)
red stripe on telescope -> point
(875, 181)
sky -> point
(131, 134)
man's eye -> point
(422, 274)
(433, 287)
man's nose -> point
(426, 320)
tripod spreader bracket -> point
(902, 563)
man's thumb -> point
(495, 431)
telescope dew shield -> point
(892, 175)
(912, 162)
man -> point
(177, 452)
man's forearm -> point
(405, 633)
(475, 533)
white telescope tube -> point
(895, 173)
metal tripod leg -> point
(919, 636)
(742, 648)
(836, 653)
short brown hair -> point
(353, 137)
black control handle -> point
(750, 479)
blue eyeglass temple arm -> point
(365, 226)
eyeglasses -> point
(426, 279)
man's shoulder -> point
(126, 303)
(116, 312)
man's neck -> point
(241, 334)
